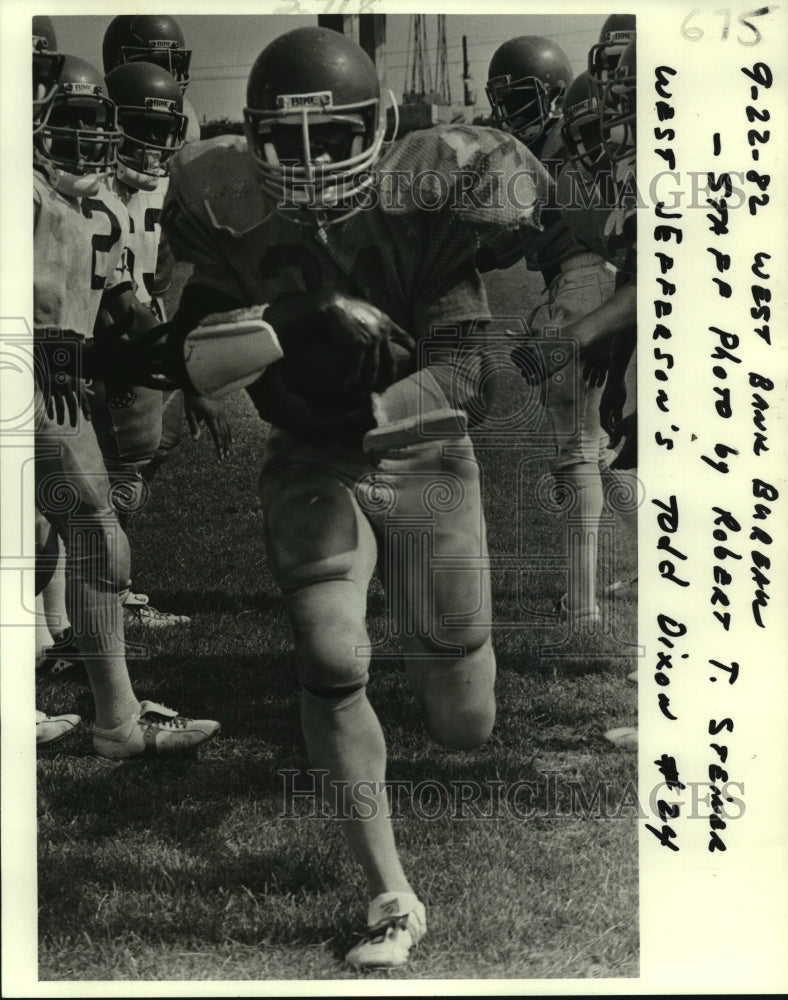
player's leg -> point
(49, 728)
(72, 490)
(322, 553)
(171, 430)
(622, 495)
(572, 409)
(56, 651)
(436, 574)
(128, 423)
(574, 423)
(50, 621)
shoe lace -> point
(378, 933)
(165, 721)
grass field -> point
(200, 869)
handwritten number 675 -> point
(694, 34)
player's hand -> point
(337, 348)
(611, 405)
(58, 371)
(64, 397)
(597, 364)
(201, 411)
(626, 429)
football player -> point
(601, 140)
(47, 64)
(313, 216)
(128, 418)
(78, 268)
(616, 33)
(158, 39)
(529, 79)
(153, 38)
(615, 322)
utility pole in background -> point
(442, 83)
(469, 98)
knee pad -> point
(452, 643)
(457, 697)
(331, 662)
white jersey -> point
(79, 253)
(142, 244)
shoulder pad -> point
(511, 184)
(455, 147)
(214, 179)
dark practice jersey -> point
(412, 261)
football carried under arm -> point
(338, 351)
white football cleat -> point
(137, 610)
(396, 921)
(51, 728)
(156, 729)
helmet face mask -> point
(581, 130)
(603, 58)
(527, 80)
(150, 119)
(618, 109)
(314, 144)
(168, 55)
(77, 143)
(522, 106)
(149, 38)
(47, 66)
(147, 142)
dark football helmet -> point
(527, 80)
(47, 65)
(617, 32)
(77, 144)
(155, 38)
(581, 129)
(151, 121)
(618, 108)
(314, 123)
